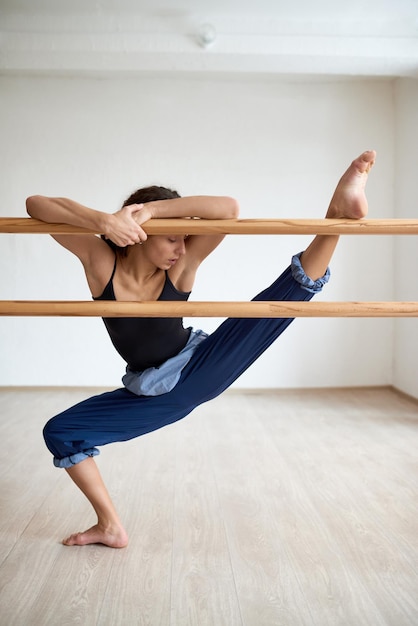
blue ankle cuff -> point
(298, 273)
(69, 461)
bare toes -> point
(349, 199)
(114, 538)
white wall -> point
(278, 147)
(406, 330)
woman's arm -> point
(120, 227)
(198, 247)
(94, 253)
(205, 207)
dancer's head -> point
(140, 196)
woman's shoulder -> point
(108, 292)
(99, 262)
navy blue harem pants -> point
(217, 362)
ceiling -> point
(269, 37)
(309, 8)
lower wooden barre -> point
(27, 225)
(259, 309)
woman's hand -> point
(124, 227)
(141, 212)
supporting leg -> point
(348, 202)
(109, 529)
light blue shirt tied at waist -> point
(155, 381)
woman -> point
(170, 369)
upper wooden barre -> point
(27, 225)
(259, 309)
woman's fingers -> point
(126, 227)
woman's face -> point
(164, 250)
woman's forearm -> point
(124, 226)
(120, 227)
(205, 207)
(66, 211)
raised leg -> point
(348, 202)
(108, 530)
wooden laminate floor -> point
(261, 508)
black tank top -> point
(147, 341)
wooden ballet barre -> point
(27, 225)
(259, 309)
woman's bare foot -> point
(112, 537)
(349, 200)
